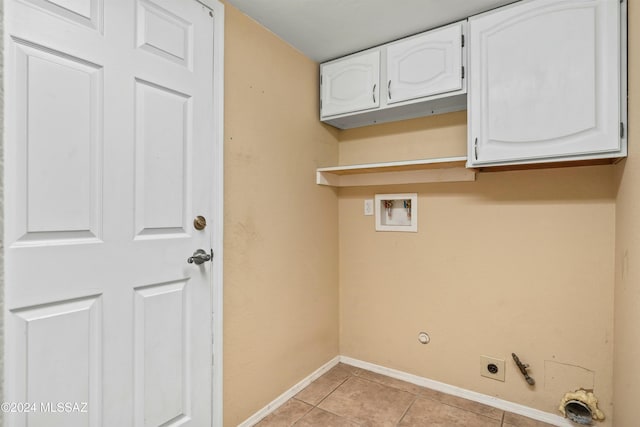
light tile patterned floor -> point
(350, 397)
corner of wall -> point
(627, 273)
(281, 228)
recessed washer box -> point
(397, 212)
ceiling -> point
(327, 29)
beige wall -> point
(498, 265)
(281, 267)
(515, 262)
(627, 288)
(437, 136)
(518, 261)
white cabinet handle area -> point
(424, 69)
(543, 81)
(546, 83)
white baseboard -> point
(280, 400)
(505, 405)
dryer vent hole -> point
(578, 412)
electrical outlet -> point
(491, 367)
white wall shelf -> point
(446, 169)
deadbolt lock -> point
(199, 223)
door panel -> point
(425, 65)
(161, 349)
(109, 154)
(69, 335)
(84, 12)
(163, 120)
(60, 191)
(163, 33)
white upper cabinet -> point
(546, 83)
(350, 84)
(425, 65)
(414, 77)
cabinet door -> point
(545, 82)
(351, 84)
(425, 65)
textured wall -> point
(281, 268)
(515, 262)
(627, 289)
(281, 231)
(436, 136)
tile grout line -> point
(467, 410)
(547, 418)
(316, 406)
(415, 395)
(355, 373)
(463, 409)
(330, 393)
(404, 414)
(303, 415)
(422, 396)
(387, 385)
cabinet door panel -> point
(425, 65)
(351, 84)
(545, 81)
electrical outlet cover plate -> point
(368, 207)
(486, 361)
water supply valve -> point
(523, 368)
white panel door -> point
(545, 81)
(425, 65)
(350, 84)
(109, 157)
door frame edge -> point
(218, 211)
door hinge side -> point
(463, 71)
(462, 37)
(621, 130)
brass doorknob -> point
(199, 223)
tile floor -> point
(347, 396)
